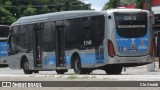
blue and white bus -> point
(4, 32)
(82, 40)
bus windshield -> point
(131, 25)
(4, 31)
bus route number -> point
(88, 42)
(130, 18)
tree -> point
(73, 5)
(29, 11)
(18, 8)
(6, 17)
(126, 2)
(139, 3)
(44, 9)
(110, 4)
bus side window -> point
(13, 40)
(30, 37)
(48, 37)
(88, 32)
(72, 34)
(99, 29)
(22, 39)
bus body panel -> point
(14, 61)
(133, 46)
(90, 59)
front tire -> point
(113, 70)
(36, 71)
(61, 71)
(26, 67)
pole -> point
(158, 42)
(118, 3)
(148, 5)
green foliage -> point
(8, 3)
(42, 2)
(53, 10)
(139, 3)
(5, 16)
(14, 9)
(126, 2)
(29, 11)
(72, 76)
(43, 9)
(113, 3)
(110, 4)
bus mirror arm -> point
(12, 52)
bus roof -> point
(54, 16)
(4, 26)
(125, 10)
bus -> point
(82, 41)
(4, 32)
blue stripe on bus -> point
(85, 59)
(68, 59)
(90, 59)
(51, 59)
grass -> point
(73, 76)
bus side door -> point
(38, 45)
(60, 44)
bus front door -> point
(37, 47)
(60, 46)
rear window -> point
(131, 25)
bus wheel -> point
(60, 71)
(77, 66)
(86, 71)
(113, 70)
(36, 71)
(26, 68)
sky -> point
(96, 4)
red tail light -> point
(111, 51)
(151, 48)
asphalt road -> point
(131, 73)
(140, 73)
